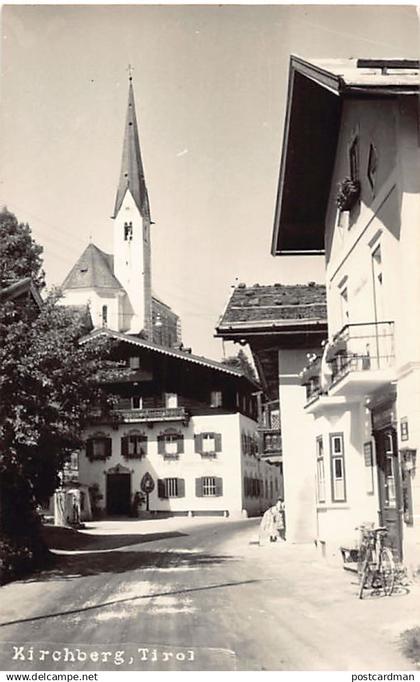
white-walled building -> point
(351, 149)
(189, 425)
(282, 325)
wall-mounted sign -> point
(368, 457)
(404, 428)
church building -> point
(118, 287)
(182, 435)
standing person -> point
(268, 526)
(279, 519)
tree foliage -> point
(20, 254)
(48, 383)
(242, 363)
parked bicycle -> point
(376, 566)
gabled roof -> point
(170, 352)
(94, 269)
(132, 173)
(316, 91)
(273, 307)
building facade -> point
(360, 175)
(185, 428)
(282, 325)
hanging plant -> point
(348, 192)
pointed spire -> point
(132, 173)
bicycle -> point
(376, 564)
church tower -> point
(132, 248)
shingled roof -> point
(94, 269)
(273, 305)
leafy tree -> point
(48, 383)
(242, 363)
(20, 254)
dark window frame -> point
(333, 458)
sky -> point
(210, 85)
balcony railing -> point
(151, 414)
(271, 441)
(361, 348)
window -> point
(372, 166)
(128, 231)
(171, 400)
(104, 315)
(170, 444)
(344, 301)
(171, 487)
(320, 469)
(98, 447)
(136, 402)
(208, 443)
(134, 445)
(209, 486)
(134, 362)
(354, 159)
(216, 399)
(338, 482)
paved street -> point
(195, 594)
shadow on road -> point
(69, 539)
(70, 566)
(131, 599)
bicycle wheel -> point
(364, 576)
(387, 570)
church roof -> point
(94, 269)
(132, 173)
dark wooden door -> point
(389, 483)
(118, 494)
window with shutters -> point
(134, 446)
(134, 362)
(98, 447)
(171, 487)
(170, 444)
(338, 479)
(320, 469)
(208, 444)
(209, 486)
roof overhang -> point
(169, 352)
(313, 112)
(310, 136)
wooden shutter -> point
(219, 487)
(180, 444)
(181, 487)
(199, 487)
(89, 448)
(161, 445)
(218, 442)
(161, 489)
(143, 440)
(198, 443)
(124, 446)
(108, 447)
(124, 404)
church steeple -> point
(132, 173)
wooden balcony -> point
(149, 415)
